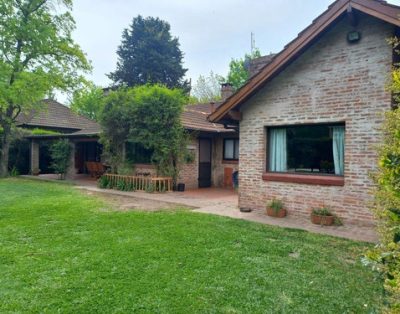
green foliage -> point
(386, 256)
(168, 261)
(238, 69)
(126, 169)
(120, 185)
(150, 116)
(60, 152)
(322, 211)
(115, 120)
(149, 54)
(88, 101)
(103, 182)
(37, 131)
(37, 55)
(276, 205)
(207, 88)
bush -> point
(385, 258)
(60, 152)
(103, 182)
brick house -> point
(309, 120)
(213, 147)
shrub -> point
(103, 182)
(323, 211)
(61, 154)
(385, 258)
(120, 185)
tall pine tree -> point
(149, 54)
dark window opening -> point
(137, 154)
(231, 149)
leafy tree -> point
(60, 152)
(208, 88)
(88, 101)
(238, 69)
(115, 121)
(37, 55)
(156, 124)
(150, 116)
(149, 54)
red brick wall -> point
(333, 81)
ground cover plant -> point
(63, 251)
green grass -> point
(61, 251)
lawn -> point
(62, 251)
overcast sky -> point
(210, 32)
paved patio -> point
(224, 202)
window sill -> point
(304, 178)
(231, 162)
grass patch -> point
(60, 252)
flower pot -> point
(322, 220)
(276, 213)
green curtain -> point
(338, 149)
(278, 150)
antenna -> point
(253, 43)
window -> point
(137, 154)
(231, 149)
(316, 149)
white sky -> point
(210, 32)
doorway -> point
(205, 149)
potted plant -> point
(322, 216)
(275, 209)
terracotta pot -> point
(322, 220)
(277, 214)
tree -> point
(208, 88)
(156, 124)
(149, 54)
(238, 69)
(149, 116)
(88, 101)
(37, 55)
(115, 121)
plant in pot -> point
(322, 216)
(275, 209)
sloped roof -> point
(61, 117)
(194, 117)
(377, 8)
(56, 115)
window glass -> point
(231, 149)
(315, 149)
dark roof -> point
(194, 117)
(376, 8)
(60, 117)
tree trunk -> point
(4, 150)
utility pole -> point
(253, 43)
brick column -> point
(34, 166)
